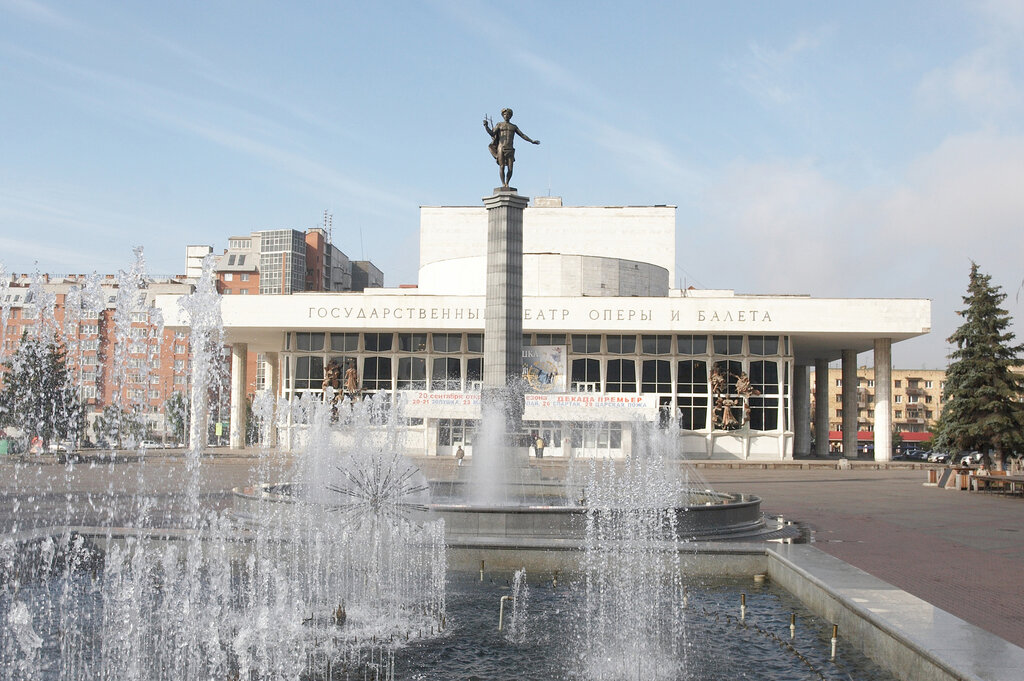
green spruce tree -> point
(37, 396)
(983, 409)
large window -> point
(550, 339)
(344, 342)
(621, 376)
(474, 371)
(763, 345)
(312, 342)
(453, 432)
(377, 342)
(309, 373)
(692, 389)
(728, 345)
(412, 373)
(475, 342)
(656, 345)
(764, 408)
(586, 375)
(692, 345)
(377, 373)
(446, 342)
(412, 342)
(586, 344)
(446, 374)
(589, 437)
(656, 376)
(621, 345)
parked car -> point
(938, 457)
(971, 459)
(149, 444)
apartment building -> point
(916, 402)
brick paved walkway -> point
(961, 551)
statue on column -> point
(502, 144)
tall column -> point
(239, 355)
(821, 407)
(503, 311)
(883, 399)
(849, 403)
(801, 410)
(271, 370)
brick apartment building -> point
(916, 403)
(131, 361)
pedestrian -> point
(460, 454)
(540, 447)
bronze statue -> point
(717, 381)
(502, 144)
(722, 414)
(352, 380)
(332, 380)
(745, 391)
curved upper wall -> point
(550, 274)
(592, 241)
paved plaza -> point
(961, 551)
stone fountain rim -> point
(730, 500)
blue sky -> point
(835, 149)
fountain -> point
(348, 563)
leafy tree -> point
(116, 426)
(37, 396)
(176, 411)
(983, 410)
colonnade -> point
(801, 400)
(883, 403)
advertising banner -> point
(545, 368)
(567, 406)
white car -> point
(149, 444)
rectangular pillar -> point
(883, 399)
(271, 370)
(801, 411)
(821, 408)
(850, 404)
(503, 310)
(239, 355)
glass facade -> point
(282, 261)
(700, 383)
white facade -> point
(588, 250)
(628, 355)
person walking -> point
(540, 447)
(460, 454)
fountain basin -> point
(706, 516)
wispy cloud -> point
(226, 126)
(39, 13)
(981, 82)
(768, 73)
(791, 228)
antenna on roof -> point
(329, 226)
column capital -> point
(505, 198)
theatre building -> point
(607, 342)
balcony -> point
(914, 391)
